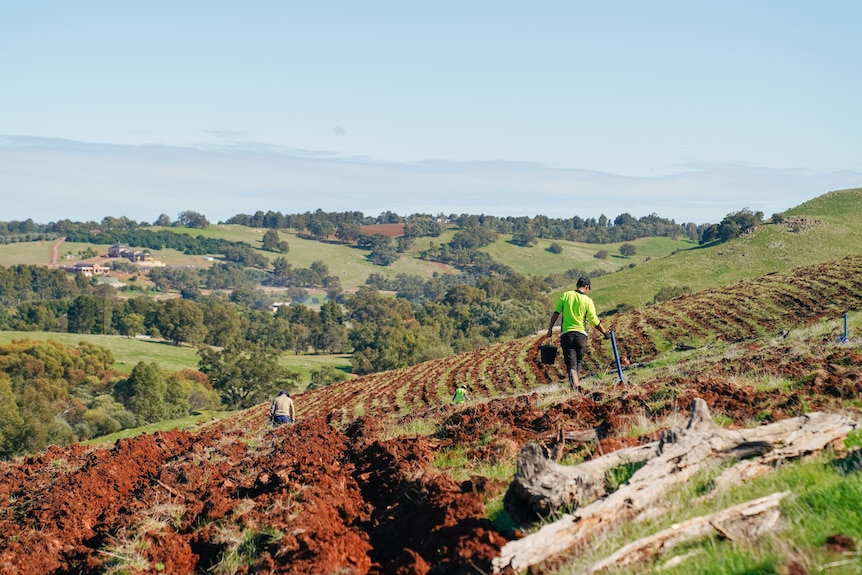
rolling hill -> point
(381, 474)
(821, 230)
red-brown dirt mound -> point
(308, 499)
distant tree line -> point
(523, 228)
(186, 219)
(346, 226)
(154, 240)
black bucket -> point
(548, 354)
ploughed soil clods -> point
(303, 499)
(307, 498)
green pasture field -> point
(39, 253)
(350, 263)
(128, 352)
(834, 234)
(306, 363)
(536, 260)
(27, 253)
(346, 262)
(230, 232)
(183, 423)
(658, 263)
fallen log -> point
(541, 486)
(740, 522)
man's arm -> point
(554, 317)
(594, 319)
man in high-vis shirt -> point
(578, 311)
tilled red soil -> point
(309, 498)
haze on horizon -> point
(557, 108)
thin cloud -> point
(54, 179)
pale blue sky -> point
(690, 110)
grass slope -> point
(658, 263)
(537, 260)
(772, 248)
(128, 352)
(346, 262)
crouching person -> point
(282, 409)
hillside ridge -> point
(382, 474)
(748, 310)
(236, 496)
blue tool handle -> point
(616, 355)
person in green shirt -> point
(460, 395)
(578, 311)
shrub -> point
(670, 292)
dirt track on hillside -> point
(54, 256)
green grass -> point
(420, 426)
(460, 467)
(230, 232)
(537, 260)
(350, 264)
(29, 253)
(346, 262)
(182, 423)
(824, 501)
(770, 249)
(305, 364)
(39, 253)
(128, 352)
